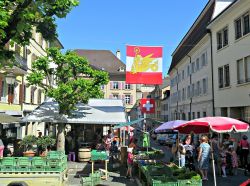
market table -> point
(100, 156)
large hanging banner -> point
(144, 65)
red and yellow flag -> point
(144, 65)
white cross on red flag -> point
(147, 105)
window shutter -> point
(110, 96)
(119, 85)
(123, 85)
(119, 96)
(111, 85)
(1, 88)
(131, 100)
(131, 87)
(20, 94)
(123, 97)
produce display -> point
(164, 175)
(98, 155)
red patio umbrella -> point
(215, 124)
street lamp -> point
(10, 78)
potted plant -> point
(44, 142)
(27, 143)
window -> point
(188, 92)
(198, 114)
(183, 74)
(193, 89)
(243, 70)
(198, 88)
(224, 76)
(127, 99)
(219, 40)
(2, 91)
(242, 26)
(179, 78)
(127, 86)
(227, 76)
(220, 75)
(238, 32)
(183, 94)
(246, 29)
(225, 37)
(205, 84)
(204, 114)
(115, 96)
(115, 85)
(203, 59)
(179, 95)
(188, 70)
(39, 98)
(24, 93)
(197, 64)
(189, 115)
(222, 38)
(193, 115)
(193, 67)
(32, 95)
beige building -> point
(165, 91)
(190, 71)
(19, 99)
(231, 60)
(116, 87)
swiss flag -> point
(147, 105)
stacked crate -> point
(23, 164)
(38, 164)
(56, 161)
(92, 180)
(8, 164)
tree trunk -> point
(61, 137)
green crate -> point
(98, 155)
(54, 163)
(54, 168)
(38, 161)
(23, 161)
(7, 168)
(8, 161)
(22, 169)
(190, 182)
(56, 155)
(88, 181)
(37, 168)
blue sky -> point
(111, 24)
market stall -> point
(214, 124)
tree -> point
(76, 81)
(18, 18)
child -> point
(234, 159)
(223, 162)
(130, 163)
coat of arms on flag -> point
(144, 65)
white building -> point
(190, 71)
(231, 60)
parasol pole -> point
(215, 184)
(178, 152)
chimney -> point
(118, 54)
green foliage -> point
(45, 141)
(75, 79)
(28, 142)
(18, 18)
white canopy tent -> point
(97, 111)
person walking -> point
(244, 151)
(181, 154)
(203, 157)
(130, 163)
(234, 159)
(1, 149)
(216, 150)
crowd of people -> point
(228, 155)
